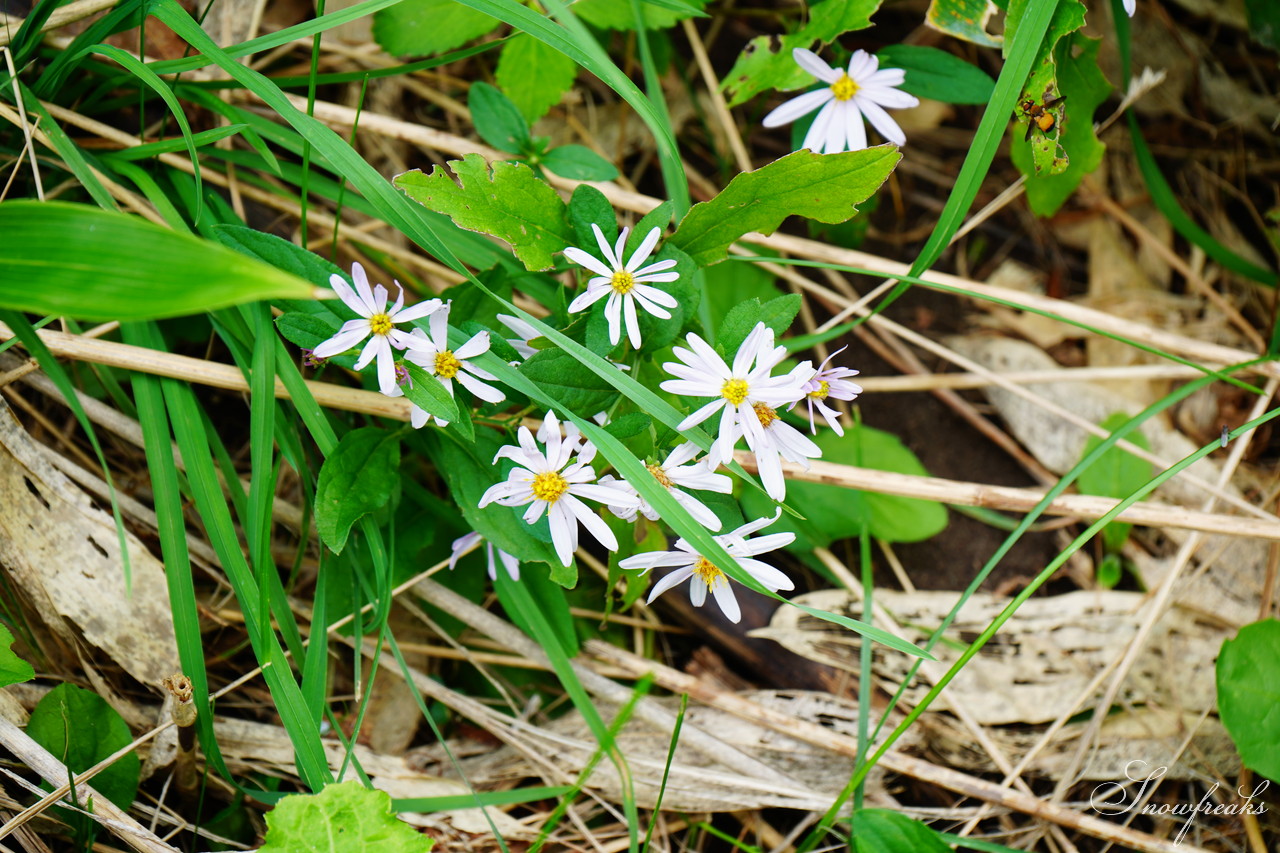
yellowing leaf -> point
(506, 200)
(824, 187)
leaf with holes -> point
(964, 19)
(505, 200)
(825, 187)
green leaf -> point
(503, 199)
(307, 331)
(1249, 694)
(886, 831)
(13, 669)
(1083, 88)
(428, 393)
(579, 163)
(78, 261)
(343, 818)
(617, 15)
(727, 285)
(834, 512)
(498, 121)
(825, 187)
(777, 314)
(964, 19)
(424, 27)
(1264, 22)
(1041, 86)
(278, 252)
(569, 381)
(534, 75)
(767, 62)
(632, 423)
(80, 729)
(355, 480)
(1115, 474)
(588, 206)
(936, 74)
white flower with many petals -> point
(553, 482)
(736, 390)
(848, 97)
(464, 544)
(771, 439)
(704, 576)
(434, 356)
(676, 473)
(624, 284)
(377, 322)
(829, 383)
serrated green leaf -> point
(424, 27)
(428, 393)
(834, 512)
(343, 818)
(1248, 675)
(936, 74)
(766, 62)
(573, 384)
(1084, 88)
(617, 15)
(534, 75)
(13, 669)
(80, 729)
(579, 163)
(498, 121)
(825, 187)
(505, 200)
(355, 480)
(964, 19)
(886, 831)
(777, 314)
(74, 260)
(278, 252)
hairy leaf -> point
(343, 818)
(74, 260)
(503, 199)
(825, 187)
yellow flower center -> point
(735, 391)
(447, 364)
(824, 388)
(380, 324)
(707, 572)
(844, 88)
(549, 486)
(766, 414)
(622, 282)
(660, 475)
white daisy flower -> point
(552, 482)
(464, 544)
(701, 372)
(704, 576)
(376, 323)
(434, 356)
(624, 284)
(849, 96)
(829, 383)
(771, 440)
(679, 472)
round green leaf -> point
(343, 818)
(74, 260)
(1249, 694)
(80, 728)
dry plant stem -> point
(1159, 603)
(892, 760)
(718, 107)
(60, 17)
(511, 637)
(26, 127)
(962, 381)
(53, 771)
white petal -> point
(855, 130)
(815, 139)
(343, 341)
(728, 602)
(768, 576)
(594, 524)
(582, 259)
(374, 306)
(644, 250)
(461, 545)
(809, 61)
(700, 512)
(880, 121)
(670, 580)
(485, 392)
(440, 328)
(862, 65)
(605, 248)
(633, 324)
(657, 266)
(836, 129)
(420, 309)
(613, 313)
(349, 297)
(648, 306)
(793, 109)
(699, 416)
(885, 78)
(563, 536)
(587, 298)
(474, 347)
(386, 365)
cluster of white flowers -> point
(552, 474)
